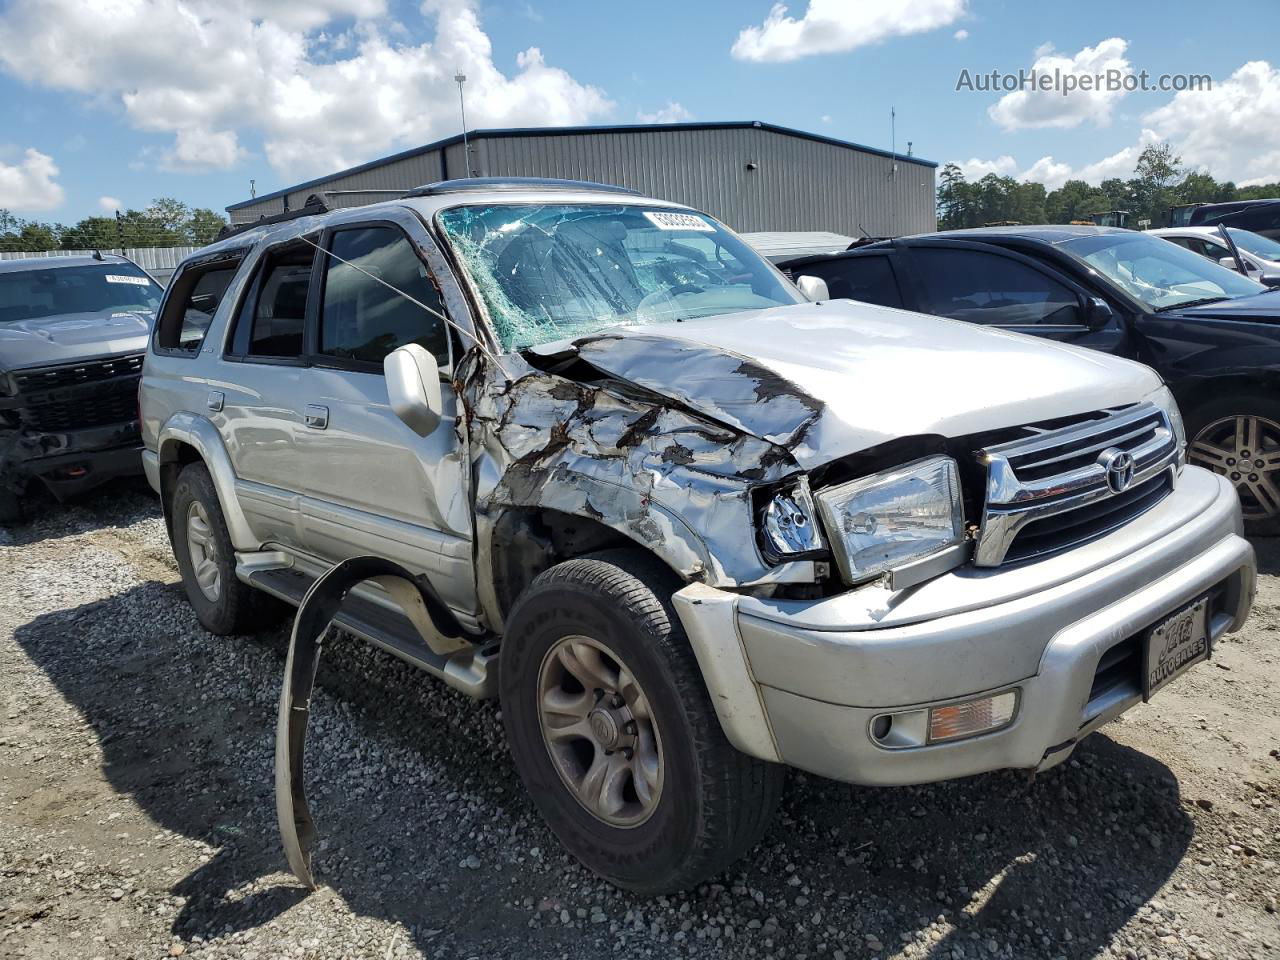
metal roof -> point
(796, 243)
(16, 264)
(517, 132)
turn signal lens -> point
(972, 718)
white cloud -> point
(1231, 131)
(961, 35)
(29, 184)
(215, 73)
(825, 118)
(673, 112)
(975, 168)
(196, 150)
(110, 204)
(835, 26)
(1040, 108)
(1054, 173)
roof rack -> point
(315, 203)
(466, 184)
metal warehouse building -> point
(754, 176)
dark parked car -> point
(73, 331)
(1212, 334)
(1260, 216)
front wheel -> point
(613, 732)
(11, 512)
(1239, 438)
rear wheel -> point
(207, 560)
(1239, 438)
(613, 732)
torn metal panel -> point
(319, 606)
(667, 478)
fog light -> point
(972, 718)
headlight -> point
(1163, 399)
(788, 525)
(887, 520)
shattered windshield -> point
(552, 271)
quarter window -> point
(369, 298)
(188, 311)
(991, 289)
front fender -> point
(200, 434)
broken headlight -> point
(890, 519)
(788, 525)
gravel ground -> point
(137, 819)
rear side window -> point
(368, 308)
(194, 298)
(867, 278)
(274, 313)
(992, 289)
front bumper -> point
(801, 682)
(70, 462)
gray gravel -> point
(138, 819)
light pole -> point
(461, 78)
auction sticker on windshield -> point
(678, 221)
(1174, 646)
(123, 278)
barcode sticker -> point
(122, 278)
(678, 221)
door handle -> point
(316, 416)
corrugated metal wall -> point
(796, 184)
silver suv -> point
(587, 452)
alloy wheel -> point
(1246, 450)
(203, 549)
(599, 730)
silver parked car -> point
(592, 454)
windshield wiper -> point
(1191, 303)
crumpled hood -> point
(829, 379)
(70, 337)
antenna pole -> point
(893, 171)
(461, 78)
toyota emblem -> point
(1119, 469)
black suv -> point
(1212, 334)
(72, 335)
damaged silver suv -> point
(587, 452)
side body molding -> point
(202, 435)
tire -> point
(711, 803)
(233, 607)
(1216, 431)
(11, 512)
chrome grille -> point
(1050, 491)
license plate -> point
(1176, 645)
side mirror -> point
(1097, 313)
(1228, 262)
(814, 288)
(413, 387)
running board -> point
(473, 671)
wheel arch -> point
(519, 542)
(186, 438)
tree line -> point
(1160, 181)
(166, 222)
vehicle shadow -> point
(118, 501)
(1268, 552)
(409, 779)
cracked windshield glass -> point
(554, 271)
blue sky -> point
(192, 98)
